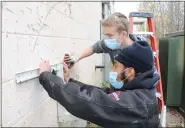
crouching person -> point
(131, 102)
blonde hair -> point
(118, 20)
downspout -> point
(106, 57)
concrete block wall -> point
(47, 30)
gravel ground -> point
(174, 119)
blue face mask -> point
(112, 43)
(113, 80)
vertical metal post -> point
(106, 57)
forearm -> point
(52, 84)
(85, 53)
(83, 85)
(79, 99)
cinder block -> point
(45, 46)
(23, 17)
(54, 124)
(43, 115)
(19, 57)
(50, 4)
(65, 119)
(16, 55)
(67, 27)
(56, 22)
(18, 100)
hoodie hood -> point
(145, 80)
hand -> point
(66, 72)
(69, 60)
(44, 66)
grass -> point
(90, 125)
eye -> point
(109, 35)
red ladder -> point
(153, 41)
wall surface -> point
(47, 30)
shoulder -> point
(135, 37)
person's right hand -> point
(44, 66)
(69, 60)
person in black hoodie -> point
(129, 103)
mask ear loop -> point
(122, 44)
(118, 38)
(132, 75)
(127, 76)
(123, 70)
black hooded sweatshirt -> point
(133, 106)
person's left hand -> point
(44, 66)
(66, 71)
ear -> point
(130, 72)
(124, 33)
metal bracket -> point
(99, 66)
(31, 74)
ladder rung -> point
(143, 33)
(139, 21)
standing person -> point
(116, 36)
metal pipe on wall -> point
(106, 58)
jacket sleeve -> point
(83, 86)
(91, 104)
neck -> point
(127, 42)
